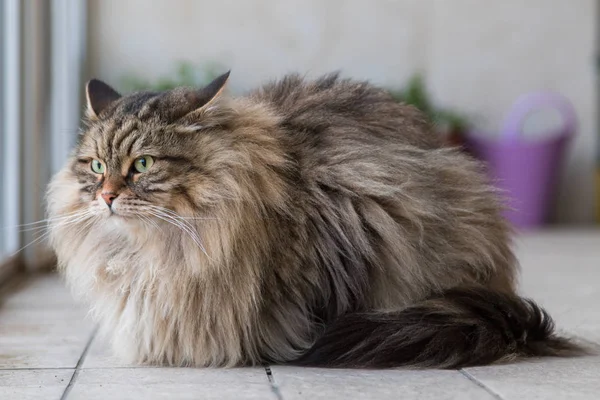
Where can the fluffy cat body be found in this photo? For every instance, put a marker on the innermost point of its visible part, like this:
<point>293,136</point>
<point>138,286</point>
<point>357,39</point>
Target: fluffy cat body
<point>315,222</point>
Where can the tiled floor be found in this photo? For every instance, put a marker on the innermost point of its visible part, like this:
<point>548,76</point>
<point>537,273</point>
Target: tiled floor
<point>48,349</point>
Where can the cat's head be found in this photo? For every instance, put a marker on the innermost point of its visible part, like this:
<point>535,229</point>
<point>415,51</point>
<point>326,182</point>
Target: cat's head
<point>139,153</point>
<point>170,158</point>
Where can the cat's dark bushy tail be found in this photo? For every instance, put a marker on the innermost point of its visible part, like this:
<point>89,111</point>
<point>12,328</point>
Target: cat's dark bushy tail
<point>459,328</point>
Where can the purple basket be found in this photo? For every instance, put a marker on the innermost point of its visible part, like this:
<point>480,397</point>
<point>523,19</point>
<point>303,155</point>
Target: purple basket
<point>525,169</point>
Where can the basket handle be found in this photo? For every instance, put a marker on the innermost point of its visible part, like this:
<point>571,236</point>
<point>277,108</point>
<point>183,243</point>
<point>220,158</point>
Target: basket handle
<point>528,103</point>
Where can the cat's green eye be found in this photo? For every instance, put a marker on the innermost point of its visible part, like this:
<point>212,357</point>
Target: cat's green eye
<point>97,167</point>
<point>142,164</point>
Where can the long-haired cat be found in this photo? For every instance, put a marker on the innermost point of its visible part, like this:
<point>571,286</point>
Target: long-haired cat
<point>309,222</point>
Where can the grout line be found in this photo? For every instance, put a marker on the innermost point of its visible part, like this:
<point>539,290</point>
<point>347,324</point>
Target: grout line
<point>71,368</point>
<point>79,364</point>
<point>274,386</point>
<point>480,384</point>
<point>36,369</point>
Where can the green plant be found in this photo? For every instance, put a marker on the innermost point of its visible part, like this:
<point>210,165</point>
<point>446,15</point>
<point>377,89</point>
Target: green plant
<point>416,94</point>
<point>186,74</point>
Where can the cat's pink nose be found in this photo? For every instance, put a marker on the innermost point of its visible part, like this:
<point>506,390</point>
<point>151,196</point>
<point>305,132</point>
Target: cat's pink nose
<point>109,197</point>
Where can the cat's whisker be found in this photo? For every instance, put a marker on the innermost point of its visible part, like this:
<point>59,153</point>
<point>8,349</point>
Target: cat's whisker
<point>87,224</point>
<point>177,215</point>
<point>148,220</point>
<point>182,225</point>
<point>58,222</point>
<point>200,218</point>
<point>75,219</point>
<point>34,229</point>
<point>154,224</point>
<point>165,210</point>
<point>61,216</point>
<point>53,223</point>
<point>44,222</point>
<point>34,241</point>
<point>184,229</point>
<point>144,220</point>
<point>171,213</point>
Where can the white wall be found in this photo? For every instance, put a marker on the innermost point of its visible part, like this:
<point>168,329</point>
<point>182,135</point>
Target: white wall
<point>478,55</point>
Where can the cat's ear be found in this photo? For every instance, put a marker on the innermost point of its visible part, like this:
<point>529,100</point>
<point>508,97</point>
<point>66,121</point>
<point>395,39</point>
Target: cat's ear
<point>202,98</point>
<point>99,95</point>
<point>184,102</point>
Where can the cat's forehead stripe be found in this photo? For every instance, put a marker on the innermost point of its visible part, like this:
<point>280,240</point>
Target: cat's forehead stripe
<point>127,130</point>
<point>111,138</point>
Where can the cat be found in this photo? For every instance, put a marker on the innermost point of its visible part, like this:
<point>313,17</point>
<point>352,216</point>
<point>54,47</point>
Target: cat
<point>310,222</point>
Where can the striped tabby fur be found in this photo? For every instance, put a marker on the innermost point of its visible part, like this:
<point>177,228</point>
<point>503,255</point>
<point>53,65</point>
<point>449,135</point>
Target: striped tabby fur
<point>316,222</point>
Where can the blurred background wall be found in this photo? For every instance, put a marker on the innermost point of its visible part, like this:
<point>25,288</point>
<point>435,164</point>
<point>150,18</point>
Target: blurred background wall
<point>477,56</point>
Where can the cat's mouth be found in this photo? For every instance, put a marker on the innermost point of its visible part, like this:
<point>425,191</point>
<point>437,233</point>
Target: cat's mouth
<point>114,209</point>
<point>119,214</point>
<point>114,213</point>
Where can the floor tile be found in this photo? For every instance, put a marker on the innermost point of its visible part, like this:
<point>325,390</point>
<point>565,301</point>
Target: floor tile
<point>100,356</point>
<point>314,383</point>
<point>545,379</point>
<point>172,383</point>
<point>47,384</point>
<point>40,291</point>
<point>561,271</point>
<point>42,329</point>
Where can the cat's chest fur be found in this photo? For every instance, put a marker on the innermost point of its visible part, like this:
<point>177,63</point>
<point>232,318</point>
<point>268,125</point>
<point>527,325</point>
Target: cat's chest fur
<point>159,308</point>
